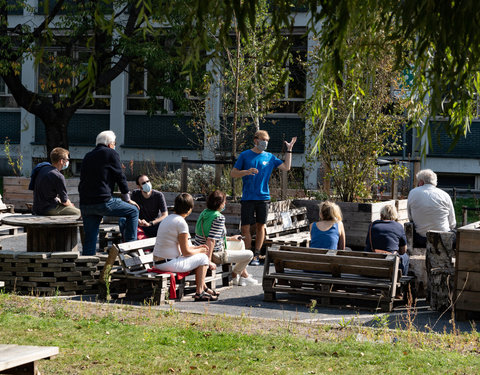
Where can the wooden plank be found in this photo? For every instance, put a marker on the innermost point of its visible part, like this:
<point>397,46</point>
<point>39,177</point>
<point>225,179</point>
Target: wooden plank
<point>138,260</point>
<point>334,294</point>
<point>323,258</point>
<point>324,279</point>
<point>135,245</point>
<point>469,281</point>
<point>16,355</point>
<point>340,268</point>
<point>468,301</point>
<point>468,261</point>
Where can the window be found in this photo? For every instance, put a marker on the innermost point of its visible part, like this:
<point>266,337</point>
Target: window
<point>6,99</point>
<point>60,71</point>
<point>138,86</point>
<point>295,90</point>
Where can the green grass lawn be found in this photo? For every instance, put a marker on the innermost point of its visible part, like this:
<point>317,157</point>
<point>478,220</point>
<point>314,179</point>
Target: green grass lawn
<point>108,339</point>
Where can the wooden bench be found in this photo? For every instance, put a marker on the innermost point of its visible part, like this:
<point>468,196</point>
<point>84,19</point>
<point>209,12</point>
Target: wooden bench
<point>20,359</point>
<point>136,258</point>
<point>334,277</point>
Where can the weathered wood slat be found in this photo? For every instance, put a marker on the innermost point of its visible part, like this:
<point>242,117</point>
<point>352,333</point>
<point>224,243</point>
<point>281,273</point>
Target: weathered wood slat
<point>344,280</point>
<point>12,356</point>
<point>469,281</point>
<point>334,259</point>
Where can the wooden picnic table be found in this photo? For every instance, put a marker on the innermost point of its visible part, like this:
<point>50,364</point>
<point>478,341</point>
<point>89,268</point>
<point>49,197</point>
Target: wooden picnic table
<point>48,233</point>
<point>21,359</point>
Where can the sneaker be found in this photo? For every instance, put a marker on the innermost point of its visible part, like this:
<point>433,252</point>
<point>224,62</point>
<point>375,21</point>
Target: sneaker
<point>236,280</point>
<point>244,281</point>
<point>255,261</point>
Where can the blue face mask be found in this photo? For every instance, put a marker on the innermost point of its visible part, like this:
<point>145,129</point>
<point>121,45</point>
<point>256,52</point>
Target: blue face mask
<point>147,187</point>
<point>66,165</point>
<point>222,209</point>
<point>262,145</point>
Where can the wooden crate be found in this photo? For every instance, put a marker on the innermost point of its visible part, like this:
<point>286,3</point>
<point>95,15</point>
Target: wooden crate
<point>467,271</point>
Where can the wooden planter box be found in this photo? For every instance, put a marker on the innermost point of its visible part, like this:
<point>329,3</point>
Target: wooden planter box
<point>467,271</point>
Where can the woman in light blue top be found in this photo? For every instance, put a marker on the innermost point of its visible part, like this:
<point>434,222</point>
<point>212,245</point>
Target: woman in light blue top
<point>328,233</point>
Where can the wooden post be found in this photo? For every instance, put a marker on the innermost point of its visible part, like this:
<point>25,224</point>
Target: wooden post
<point>234,193</point>
<point>218,172</point>
<point>395,184</point>
<point>284,184</point>
<point>464,216</point>
<point>454,193</point>
<point>184,179</point>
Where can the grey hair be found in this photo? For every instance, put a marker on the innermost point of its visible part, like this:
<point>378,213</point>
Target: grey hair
<point>107,137</point>
<point>427,176</point>
<point>388,213</point>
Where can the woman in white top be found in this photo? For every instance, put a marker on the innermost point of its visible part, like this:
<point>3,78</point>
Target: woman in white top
<point>173,251</point>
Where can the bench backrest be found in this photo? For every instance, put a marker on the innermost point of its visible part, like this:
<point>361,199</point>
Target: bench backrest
<point>133,258</point>
<point>335,262</point>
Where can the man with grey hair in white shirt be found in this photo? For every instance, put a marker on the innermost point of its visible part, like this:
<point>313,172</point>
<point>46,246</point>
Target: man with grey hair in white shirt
<point>429,207</point>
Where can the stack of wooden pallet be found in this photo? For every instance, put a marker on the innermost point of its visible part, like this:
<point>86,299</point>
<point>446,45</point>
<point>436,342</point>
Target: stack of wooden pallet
<point>65,273</point>
<point>288,228</point>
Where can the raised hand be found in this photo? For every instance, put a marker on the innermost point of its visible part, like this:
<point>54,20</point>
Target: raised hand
<point>290,145</point>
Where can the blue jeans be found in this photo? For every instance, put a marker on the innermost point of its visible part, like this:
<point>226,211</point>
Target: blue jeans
<point>404,263</point>
<point>92,215</point>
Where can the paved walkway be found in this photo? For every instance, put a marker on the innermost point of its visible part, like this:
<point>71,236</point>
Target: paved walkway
<point>248,301</point>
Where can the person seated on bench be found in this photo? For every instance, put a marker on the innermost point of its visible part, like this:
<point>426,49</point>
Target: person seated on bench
<point>388,236</point>
<point>174,253</point>
<point>210,230</point>
<point>153,208</point>
<point>328,233</point>
<point>48,184</point>
<point>429,208</point>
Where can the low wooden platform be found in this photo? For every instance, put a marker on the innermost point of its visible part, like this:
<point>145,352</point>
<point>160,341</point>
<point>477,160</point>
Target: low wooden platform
<point>21,359</point>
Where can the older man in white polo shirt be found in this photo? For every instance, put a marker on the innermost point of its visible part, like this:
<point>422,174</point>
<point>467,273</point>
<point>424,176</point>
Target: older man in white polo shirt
<point>429,207</point>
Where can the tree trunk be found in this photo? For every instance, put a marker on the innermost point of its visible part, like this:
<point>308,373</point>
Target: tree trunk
<point>56,129</point>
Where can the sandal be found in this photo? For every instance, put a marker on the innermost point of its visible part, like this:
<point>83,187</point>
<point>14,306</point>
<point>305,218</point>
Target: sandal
<point>212,292</point>
<point>204,297</point>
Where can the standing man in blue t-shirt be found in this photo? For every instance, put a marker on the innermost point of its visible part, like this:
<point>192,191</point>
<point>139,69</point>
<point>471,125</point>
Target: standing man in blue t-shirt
<point>255,167</point>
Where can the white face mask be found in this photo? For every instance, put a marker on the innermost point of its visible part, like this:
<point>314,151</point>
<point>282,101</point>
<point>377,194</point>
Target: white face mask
<point>147,187</point>
<point>262,145</point>
<point>66,165</point>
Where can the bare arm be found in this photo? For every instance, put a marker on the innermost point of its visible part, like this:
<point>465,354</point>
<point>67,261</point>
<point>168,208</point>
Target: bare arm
<point>341,239</point>
<point>160,218</point>
<point>288,158</point>
<point>188,250</point>
<point>236,173</point>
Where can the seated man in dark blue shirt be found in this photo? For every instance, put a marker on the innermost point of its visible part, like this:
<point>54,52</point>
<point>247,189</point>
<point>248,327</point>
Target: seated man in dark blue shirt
<point>48,184</point>
<point>153,208</point>
<point>388,235</point>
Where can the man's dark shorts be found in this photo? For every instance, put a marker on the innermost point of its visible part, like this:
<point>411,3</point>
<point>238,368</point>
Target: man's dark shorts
<point>254,212</point>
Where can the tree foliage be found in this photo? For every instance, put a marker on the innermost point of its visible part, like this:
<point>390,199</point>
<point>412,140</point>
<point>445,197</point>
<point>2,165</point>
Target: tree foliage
<point>438,40</point>
<point>360,120</point>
